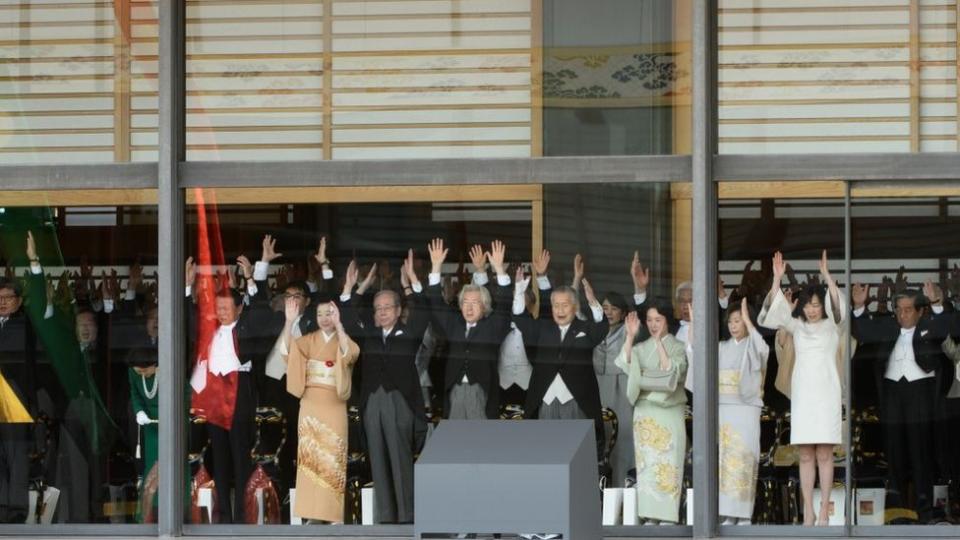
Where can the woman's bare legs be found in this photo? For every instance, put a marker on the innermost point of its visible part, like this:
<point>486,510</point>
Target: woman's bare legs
<point>808,475</point>
<point>825,464</point>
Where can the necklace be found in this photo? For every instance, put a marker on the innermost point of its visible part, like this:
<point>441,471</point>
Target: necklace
<point>152,392</point>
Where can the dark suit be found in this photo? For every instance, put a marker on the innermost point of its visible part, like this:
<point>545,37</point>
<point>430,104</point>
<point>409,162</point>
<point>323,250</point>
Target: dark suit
<point>907,408</point>
<point>475,355</point>
<point>231,448</point>
<point>392,403</point>
<point>18,366</point>
<point>571,358</point>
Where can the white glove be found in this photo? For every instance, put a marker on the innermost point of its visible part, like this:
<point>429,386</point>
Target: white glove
<point>142,418</point>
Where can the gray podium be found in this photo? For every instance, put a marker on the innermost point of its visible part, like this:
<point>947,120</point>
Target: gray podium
<point>505,476</point>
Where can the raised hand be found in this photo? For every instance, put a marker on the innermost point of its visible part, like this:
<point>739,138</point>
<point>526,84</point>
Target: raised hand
<point>859,295</point>
<point>62,295</point>
<point>31,248</point>
<point>245,266</point>
<point>350,278</point>
<point>404,280</point>
<point>478,258</point>
<point>900,283</point>
<point>321,255</point>
<point>408,268</point>
<point>497,256</point>
<point>541,262</point>
<point>291,309</point>
<point>721,290</point>
<point>268,252</point>
<point>109,285</point>
<point>438,254</point>
<point>335,317</point>
<point>368,280</point>
<point>789,295</point>
<point>135,281</point>
<point>520,275</point>
<point>745,315</point>
<point>190,271</point>
<point>588,292</point>
<point>779,268</point>
<point>825,268</point>
<point>631,326</point>
<point>577,270</point>
<point>932,291</point>
<point>640,275</point>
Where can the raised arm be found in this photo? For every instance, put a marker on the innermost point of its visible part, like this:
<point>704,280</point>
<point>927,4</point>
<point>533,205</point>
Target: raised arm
<point>541,263</point>
<point>641,279</point>
<point>837,309</point>
<point>442,314</point>
<point>419,317</point>
<point>599,325</point>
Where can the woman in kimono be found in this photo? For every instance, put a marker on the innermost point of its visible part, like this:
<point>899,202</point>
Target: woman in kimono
<point>142,378</point>
<point>659,435</point>
<point>815,401</point>
<point>741,366</point>
<point>613,386</point>
<point>319,373</point>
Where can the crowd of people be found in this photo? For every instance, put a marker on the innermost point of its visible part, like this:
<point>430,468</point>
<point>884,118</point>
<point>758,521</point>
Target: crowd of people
<point>79,386</point>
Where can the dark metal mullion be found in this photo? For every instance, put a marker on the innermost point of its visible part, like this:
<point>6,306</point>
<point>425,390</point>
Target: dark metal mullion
<point>171,341</point>
<point>704,228</point>
<point>848,364</point>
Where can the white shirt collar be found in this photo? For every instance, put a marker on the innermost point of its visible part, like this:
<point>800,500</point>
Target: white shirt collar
<point>227,327</point>
<point>907,331</point>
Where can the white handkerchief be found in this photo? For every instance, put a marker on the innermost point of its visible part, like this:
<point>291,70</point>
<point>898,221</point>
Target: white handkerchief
<point>198,380</point>
<point>924,332</point>
<point>399,333</point>
<point>579,335</point>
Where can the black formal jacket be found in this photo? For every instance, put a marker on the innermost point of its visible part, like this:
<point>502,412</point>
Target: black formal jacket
<point>253,332</point>
<point>18,360</point>
<point>389,363</point>
<point>572,359</point>
<point>478,355</point>
<point>883,332</point>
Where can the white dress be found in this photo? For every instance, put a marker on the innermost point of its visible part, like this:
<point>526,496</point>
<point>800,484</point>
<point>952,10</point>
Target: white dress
<point>816,392</point>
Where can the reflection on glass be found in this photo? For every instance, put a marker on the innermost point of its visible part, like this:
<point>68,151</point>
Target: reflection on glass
<point>79,81</point>
<point>836,77</point>
<point>780,364</point>
<point>78,361</point>
<point>905,416</point>
<point>287,80</point>
<point>620,84</point>
<point>331,338</point>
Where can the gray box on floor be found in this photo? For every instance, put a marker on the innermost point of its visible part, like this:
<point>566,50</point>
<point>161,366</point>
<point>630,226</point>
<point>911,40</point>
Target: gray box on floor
<point>505,476</point>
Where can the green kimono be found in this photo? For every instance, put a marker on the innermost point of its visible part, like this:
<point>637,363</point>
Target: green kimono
<point>659,434</point>
<point>149,434</point>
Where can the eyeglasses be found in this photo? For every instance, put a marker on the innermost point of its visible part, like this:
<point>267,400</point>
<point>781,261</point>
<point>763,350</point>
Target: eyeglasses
<point>8,297</point>
<point>294,295</point>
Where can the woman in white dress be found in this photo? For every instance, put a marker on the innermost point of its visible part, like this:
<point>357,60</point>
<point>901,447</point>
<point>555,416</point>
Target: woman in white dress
<point>815,402</point>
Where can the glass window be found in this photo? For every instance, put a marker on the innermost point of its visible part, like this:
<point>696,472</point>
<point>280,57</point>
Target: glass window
<point>781,357</point>
<point>836,77</point>
<point>78,357</point>
<point>287,80</point>
<point>316,255</point>
<point>905,415</point>
<point>78,82</point>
